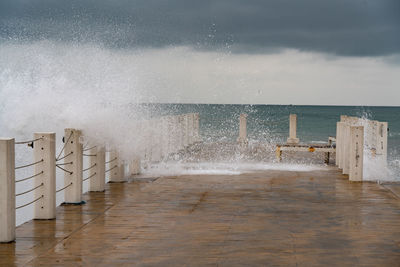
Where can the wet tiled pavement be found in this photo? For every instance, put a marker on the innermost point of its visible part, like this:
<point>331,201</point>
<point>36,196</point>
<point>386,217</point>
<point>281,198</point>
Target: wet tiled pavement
<point>272,218</point>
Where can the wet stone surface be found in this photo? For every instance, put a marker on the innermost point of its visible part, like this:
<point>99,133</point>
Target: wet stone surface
<point>274,218</point>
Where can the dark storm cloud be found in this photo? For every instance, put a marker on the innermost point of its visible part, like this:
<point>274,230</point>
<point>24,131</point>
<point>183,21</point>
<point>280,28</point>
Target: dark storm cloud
<point>344,27</point>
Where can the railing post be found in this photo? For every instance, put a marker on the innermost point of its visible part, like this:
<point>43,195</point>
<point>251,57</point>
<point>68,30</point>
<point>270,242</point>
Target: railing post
<point>186,130</point>
<point>242,140</point>
<point>356,153</point>
<point>7,190</point>
<point>117,169</point>
<point>338,140</point>
<point>73,176</point>
<point>45,149</point>
<point>134,166</point>
<point>382,138</point>
<point>196,127</point>
<point>97,173</point>
<point>346,149</point>
<point>292,130</point>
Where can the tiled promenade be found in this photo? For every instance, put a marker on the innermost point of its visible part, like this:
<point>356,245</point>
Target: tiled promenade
<point>274,218</point>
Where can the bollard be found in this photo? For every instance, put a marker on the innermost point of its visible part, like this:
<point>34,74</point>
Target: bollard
<point>346,149</point>
<point>97,181</point>
<point>338,140</point>
<point>7,190</point>
<point>196,127</point>
<point>242,139</point>
<point>356,153</point>
<point>45,149</point>
<point>116,168</point>
<point>382,139</point>
<point>73,170</point>
<point>134,167</point>
<point>292,130</point>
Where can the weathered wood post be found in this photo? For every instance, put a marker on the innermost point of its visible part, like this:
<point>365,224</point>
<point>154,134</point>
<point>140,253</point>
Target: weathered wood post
<point>73,166</point>
<point>7,190</point>
<point>181,132</point>
<point>196,127</point>
<point>346,149</point>
<point>338,140</point>
<point>97,181</point>
<point>116,168</point>
<point>292,130</point>
<point>134,166</point>
<point>185,130</point>
<point>242,139</point>
<point>356,153</point>
<point>45,149</point>
<point>382,139</point>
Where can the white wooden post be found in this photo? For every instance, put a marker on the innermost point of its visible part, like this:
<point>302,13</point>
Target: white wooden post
<point>356,153</point>
<point>7,190</point>
<point>346,149</point>
<point>45,149</point>
<point>242,140</point>
<point>292,130</point>
<point>117,169</point>
<point>134,166</point>
<point>97,181</point>
<point>181,132</point>
<point>382,139</point>
<point>338,140</point>
<point>196,127</point>
<point>73,176</point>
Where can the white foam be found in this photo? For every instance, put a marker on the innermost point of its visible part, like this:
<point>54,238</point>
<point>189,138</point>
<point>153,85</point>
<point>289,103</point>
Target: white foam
<point>223,168</point>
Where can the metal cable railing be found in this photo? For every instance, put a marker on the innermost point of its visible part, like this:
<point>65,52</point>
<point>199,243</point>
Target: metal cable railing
<point>29,141</point>
<point>27,204</point>
<point>89,177</point>
<point>89,155</point>
<point>65,163</point>
<point>70,153</point>
<point>28,165</point>
<point>65,187</point>
<point>30,177</point>
<point>65,144</point>
<point>110,160</point>
<point>86,149</point>
<point>64,169</point>
<point>111,169</point>
<point>94,165</point>
<point>26,192</point>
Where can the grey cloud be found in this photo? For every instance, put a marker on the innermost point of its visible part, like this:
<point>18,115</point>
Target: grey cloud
<point>343,27</point>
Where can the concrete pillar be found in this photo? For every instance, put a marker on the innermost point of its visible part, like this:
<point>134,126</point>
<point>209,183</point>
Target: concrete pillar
<point>356,153</point>
<point>7,190</point>
<point>196,126</point>
<point>73,193</point>
<point>134,166</point>
<point>338,140</point>
<point>98,181</point>
<point>117,169</point>
<point>45,149</point>
<point>382,139</point>
<point>242,140</point>
<point>157,139</point>
<point>293,130</point>
<point>181,129</point>
<point>346,149</point>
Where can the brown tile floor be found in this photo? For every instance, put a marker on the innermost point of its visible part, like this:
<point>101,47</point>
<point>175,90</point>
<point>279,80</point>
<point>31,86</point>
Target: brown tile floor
<point>272,218</point>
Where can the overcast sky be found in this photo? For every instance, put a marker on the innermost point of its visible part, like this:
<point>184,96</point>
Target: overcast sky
<point>304,48</point>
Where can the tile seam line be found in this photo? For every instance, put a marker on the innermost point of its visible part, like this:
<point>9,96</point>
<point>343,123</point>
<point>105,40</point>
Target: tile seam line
<point>70,235</point>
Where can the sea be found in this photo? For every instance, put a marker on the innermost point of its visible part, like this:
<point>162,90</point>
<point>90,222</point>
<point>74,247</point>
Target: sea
<point>270,123</point>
